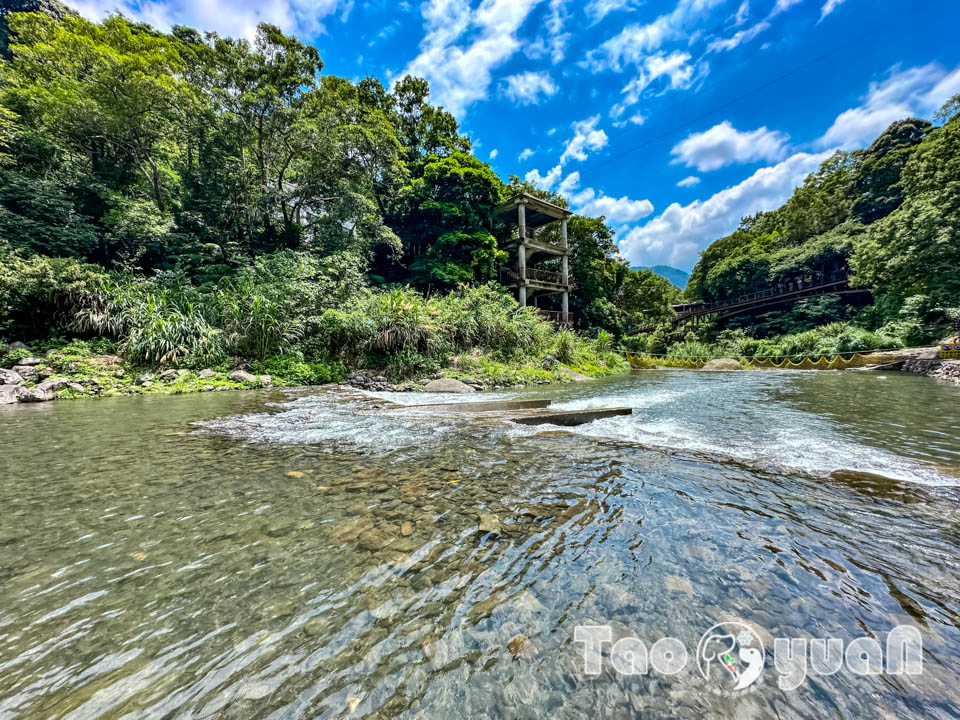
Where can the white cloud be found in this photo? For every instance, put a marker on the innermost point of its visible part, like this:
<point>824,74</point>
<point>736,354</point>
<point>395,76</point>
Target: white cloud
<point>738,38</point>
<point>635,119</point>
<point>783,6</point>
<point>525,154</point>
<point>527,88</point>
<point>586,137</point>
<point>676,236</point>
<point>494,153</point>
<point>236,18</point>
<point>829,6</point>
<point>724,145</point>
<point>590,203</point>
<point>632,44</point>
<point>616,210</point>
<point>675,67</point>
<point>547,181</point>
<point>689,181</point>
<point>597,10</point>
<point>916,91</point>
<point>743,12</point>
<point>558,39</point>
<point>463,45</point>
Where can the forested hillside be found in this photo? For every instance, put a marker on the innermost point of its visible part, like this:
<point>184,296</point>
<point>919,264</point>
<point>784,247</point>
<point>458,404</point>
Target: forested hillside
<point>888,215</point>
<point>200,198</point>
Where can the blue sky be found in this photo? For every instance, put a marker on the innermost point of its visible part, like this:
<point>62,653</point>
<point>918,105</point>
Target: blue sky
<point>672,118</point>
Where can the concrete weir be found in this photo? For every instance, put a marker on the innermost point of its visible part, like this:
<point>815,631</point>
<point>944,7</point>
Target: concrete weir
<point>488,406</point>
<point>570,418</point>
<point>524,412</point>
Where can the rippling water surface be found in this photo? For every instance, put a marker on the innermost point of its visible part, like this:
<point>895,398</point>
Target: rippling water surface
<point>271,555</point>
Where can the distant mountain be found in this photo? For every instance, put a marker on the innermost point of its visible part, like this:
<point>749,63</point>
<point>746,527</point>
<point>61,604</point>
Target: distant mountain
<point>674,275</point>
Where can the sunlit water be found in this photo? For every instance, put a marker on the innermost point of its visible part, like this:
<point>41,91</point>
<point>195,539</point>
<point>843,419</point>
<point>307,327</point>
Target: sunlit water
<point>159,561</point>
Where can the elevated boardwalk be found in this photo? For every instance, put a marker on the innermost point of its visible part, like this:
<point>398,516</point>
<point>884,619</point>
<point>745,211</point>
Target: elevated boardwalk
<point>779,295</point>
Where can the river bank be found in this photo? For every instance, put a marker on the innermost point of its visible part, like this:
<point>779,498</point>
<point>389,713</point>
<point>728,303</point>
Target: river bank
<point>82,370</point>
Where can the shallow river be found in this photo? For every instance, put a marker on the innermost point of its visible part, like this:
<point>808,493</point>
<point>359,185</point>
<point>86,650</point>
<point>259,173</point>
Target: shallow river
<point>272,555</point>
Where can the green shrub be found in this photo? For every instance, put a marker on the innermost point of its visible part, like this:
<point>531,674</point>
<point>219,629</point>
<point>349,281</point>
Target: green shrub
<point>14,357</point>
<point>295,371</point>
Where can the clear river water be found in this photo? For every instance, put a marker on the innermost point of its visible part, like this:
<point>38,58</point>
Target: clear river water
<point>302,554</point>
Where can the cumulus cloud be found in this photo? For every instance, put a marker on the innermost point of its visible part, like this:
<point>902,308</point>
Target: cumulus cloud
<point>904,93</point>
<point>616,210</point>
<point>679,233</point>
<point>525,154</point>
<point>689,181</point>
<point>724,145</point>
<point>463,45</point>
<point>829,6</point>
<point>738,38</point>
<point>586,137</point>
<point>494,153</point>
<point>236,18</point>
<point>527,88</point>
<point>591,203</point>
<point>547,181</point>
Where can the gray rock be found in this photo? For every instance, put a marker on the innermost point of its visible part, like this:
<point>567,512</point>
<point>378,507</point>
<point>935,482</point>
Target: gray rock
<point>27,372</point>
<point>45,391</point>
<point>31,361</point>
<point>241,376</point>
<point>574,375</point>
<point>265,379</point>
<point>17,346</point>
<point>9,377</point>
<point>47,373</point>
<point>76,387</point>
<point>10,394</point>
<point>172,374</point>
<point>204,374</point>
<point>447,385</point>
<point>145,380</point>
<point>489,523</point>
<point>550,362</point>
<point>379,379</point>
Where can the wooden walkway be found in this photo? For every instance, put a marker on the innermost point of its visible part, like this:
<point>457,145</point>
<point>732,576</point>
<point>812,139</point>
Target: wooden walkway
<point>781,294</point>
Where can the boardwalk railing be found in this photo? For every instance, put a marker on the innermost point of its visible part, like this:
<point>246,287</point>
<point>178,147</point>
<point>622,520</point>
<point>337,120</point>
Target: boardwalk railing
<point>834,284</point>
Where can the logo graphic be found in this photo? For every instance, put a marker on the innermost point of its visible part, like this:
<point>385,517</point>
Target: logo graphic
<point>733,649</point>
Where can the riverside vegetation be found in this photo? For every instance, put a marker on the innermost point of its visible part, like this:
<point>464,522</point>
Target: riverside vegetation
<point>188,202</point>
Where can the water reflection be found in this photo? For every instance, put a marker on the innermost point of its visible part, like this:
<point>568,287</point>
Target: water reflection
<point>421,571</point>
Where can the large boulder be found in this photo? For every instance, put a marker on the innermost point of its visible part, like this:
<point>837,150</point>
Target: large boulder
<point>10,394</point>
<point>27,372</point>
<point>9,377</point>
<point>18,346</point>
<point>723,364</point>
<point>447,385</point>
<point>241,376</point>
<point>574,375</point>
<point>45,391</point>
<point>31,361</point>
<point>206,373</point>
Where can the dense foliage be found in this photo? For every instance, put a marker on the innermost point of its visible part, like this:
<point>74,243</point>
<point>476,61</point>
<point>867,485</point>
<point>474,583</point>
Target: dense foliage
<point>203,199</point>
<point>888,216</point>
